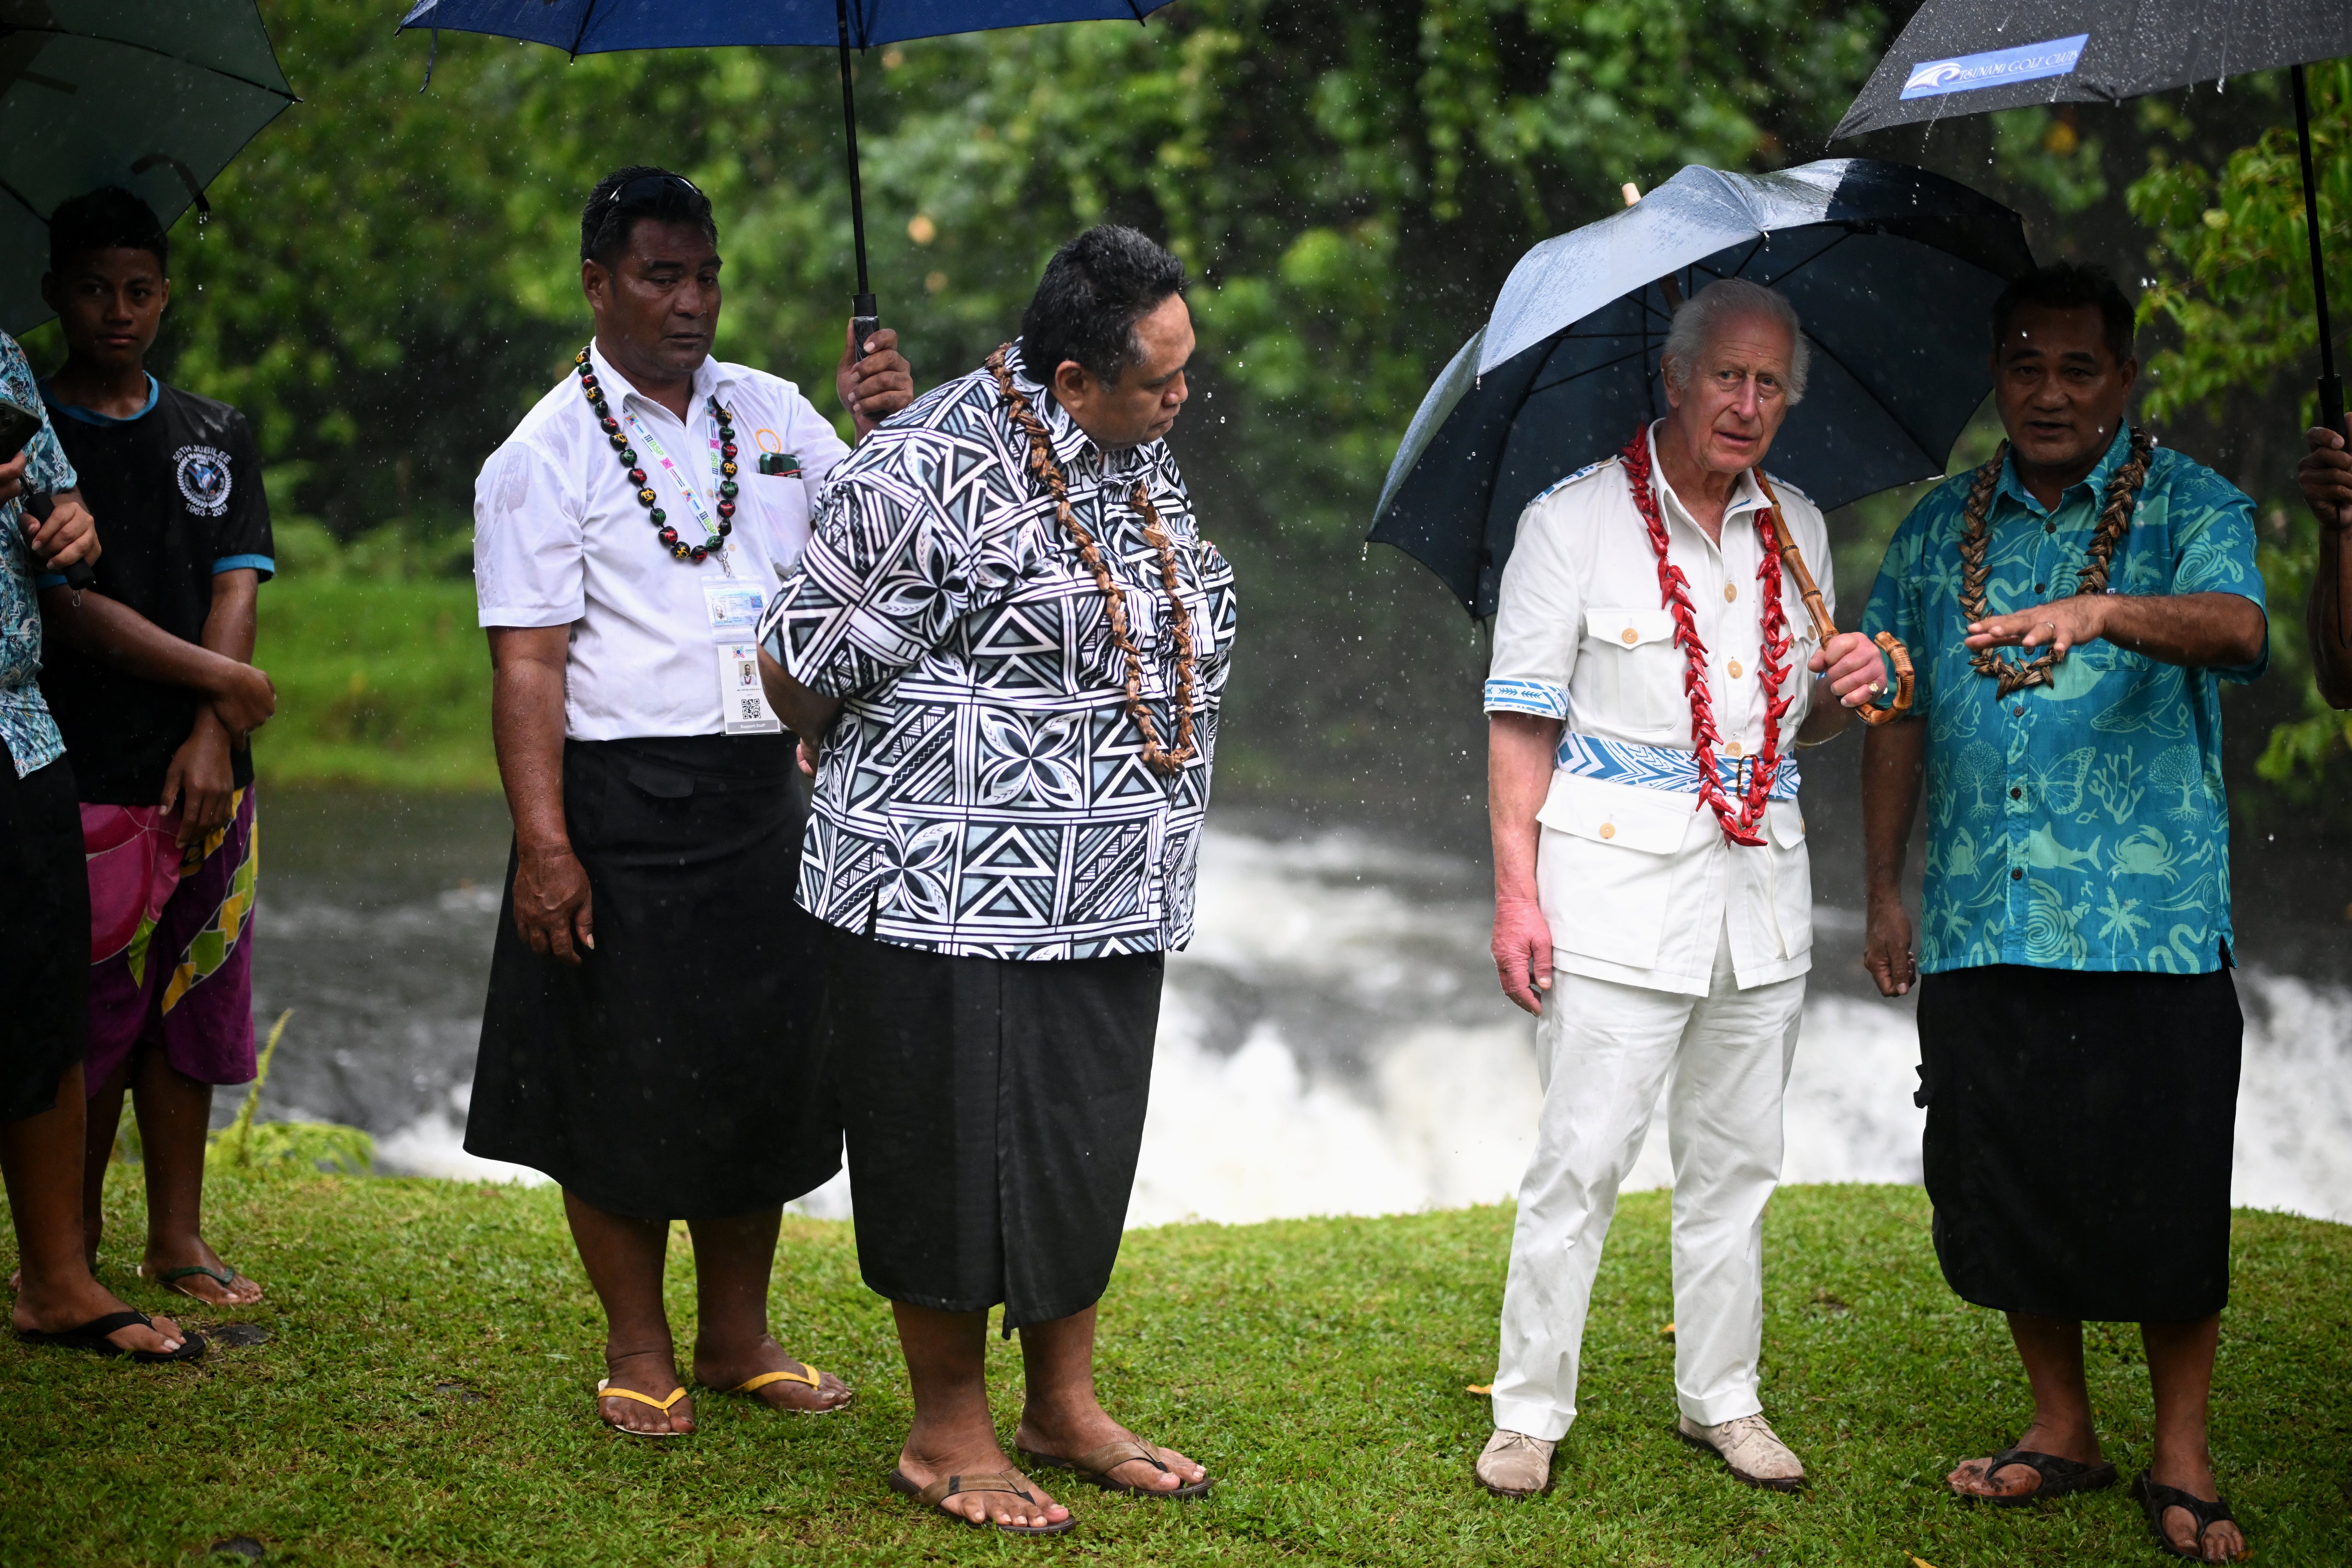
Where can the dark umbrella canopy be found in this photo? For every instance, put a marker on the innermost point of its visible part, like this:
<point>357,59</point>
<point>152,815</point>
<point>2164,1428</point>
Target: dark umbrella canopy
<point>598,27</point>
<point>1892,271</point>
<point>1969,56</point>
<point>158,96</point>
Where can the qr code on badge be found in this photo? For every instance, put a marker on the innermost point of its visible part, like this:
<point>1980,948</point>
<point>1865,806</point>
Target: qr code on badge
<point>749,706</point>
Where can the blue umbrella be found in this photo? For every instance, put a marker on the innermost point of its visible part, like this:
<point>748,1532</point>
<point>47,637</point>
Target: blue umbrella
<point>1892,270</point>
<point>600,26</point>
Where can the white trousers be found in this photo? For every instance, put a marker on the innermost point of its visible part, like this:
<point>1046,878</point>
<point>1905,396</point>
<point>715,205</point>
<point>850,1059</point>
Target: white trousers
<point>1603,1049</point>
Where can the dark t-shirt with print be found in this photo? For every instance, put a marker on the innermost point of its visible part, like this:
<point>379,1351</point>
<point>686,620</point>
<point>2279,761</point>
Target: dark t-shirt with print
<point>176,493</point>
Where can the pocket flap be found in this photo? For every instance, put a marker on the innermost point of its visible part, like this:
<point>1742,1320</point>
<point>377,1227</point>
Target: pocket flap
<point>1787,822</point>
<point>1628,627</point>
<point>1614,815</point>
<point>660,782</point>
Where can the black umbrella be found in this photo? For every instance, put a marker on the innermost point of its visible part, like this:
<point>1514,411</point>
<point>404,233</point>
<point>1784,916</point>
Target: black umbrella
<point>1969,57</point>
<point>155,97</point>
<point>600,26</point>
<point>1892,270</point>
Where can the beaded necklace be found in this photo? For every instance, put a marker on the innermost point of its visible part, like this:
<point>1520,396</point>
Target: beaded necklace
<point>1740,824</point>
<point>715,542</point>
<point>2115,520</point>
<point>1166,760</point>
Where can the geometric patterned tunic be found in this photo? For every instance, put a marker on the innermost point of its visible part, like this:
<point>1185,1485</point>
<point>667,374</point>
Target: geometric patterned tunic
<point>2082,825</point>
<point>984,793</point>
<point>24,722</point>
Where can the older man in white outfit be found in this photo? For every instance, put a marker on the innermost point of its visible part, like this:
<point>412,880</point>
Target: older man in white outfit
<point>1653,675</point>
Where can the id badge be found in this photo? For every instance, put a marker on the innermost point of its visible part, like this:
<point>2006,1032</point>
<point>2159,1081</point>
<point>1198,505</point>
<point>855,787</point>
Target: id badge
<point>742,699</point>
<point>733,605</point>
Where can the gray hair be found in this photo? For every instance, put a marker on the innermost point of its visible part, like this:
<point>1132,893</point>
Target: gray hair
<point>1728,299</point>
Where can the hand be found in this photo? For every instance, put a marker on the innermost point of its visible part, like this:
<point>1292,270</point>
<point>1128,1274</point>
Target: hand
<point>69,535</point>
<point>873,378</point>
<point>244,700</point>
<point>808,757</point>
<point>552,906</point>
<point>12,476</point>
<point>1522,952</point>
<point>2061,624</point>
<point>200,782</point>
<point>2325,476</point>
<point>1851,664</point>
<point>1886,946</point>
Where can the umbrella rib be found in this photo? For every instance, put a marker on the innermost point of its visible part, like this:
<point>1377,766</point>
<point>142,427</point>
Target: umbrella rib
<point>587,15</point>
<point>1900,423</point>
<point>160,53</point>
<point>38,216</point>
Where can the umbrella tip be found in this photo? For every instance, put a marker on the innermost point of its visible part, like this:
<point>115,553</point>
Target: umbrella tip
<point>1632,193</point>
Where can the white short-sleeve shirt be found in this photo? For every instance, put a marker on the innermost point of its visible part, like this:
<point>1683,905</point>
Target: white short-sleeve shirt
<point>561,538</point>
<point>1636,883</point>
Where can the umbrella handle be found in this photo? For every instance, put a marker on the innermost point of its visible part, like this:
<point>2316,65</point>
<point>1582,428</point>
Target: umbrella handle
<point>1824,628</point>
<point>865,319</point>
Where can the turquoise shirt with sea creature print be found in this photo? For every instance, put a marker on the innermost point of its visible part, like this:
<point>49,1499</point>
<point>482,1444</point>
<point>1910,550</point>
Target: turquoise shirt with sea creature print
<point>2081,825</point>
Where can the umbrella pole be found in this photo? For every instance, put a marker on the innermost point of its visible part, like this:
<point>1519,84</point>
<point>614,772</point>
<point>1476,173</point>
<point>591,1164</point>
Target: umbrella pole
<point>2331,386</point>
<point>866,314</point>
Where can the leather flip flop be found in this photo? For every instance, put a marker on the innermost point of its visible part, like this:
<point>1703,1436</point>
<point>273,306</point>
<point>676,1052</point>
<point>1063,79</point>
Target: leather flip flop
<point>934,1497</point>
<point>1096,1465</point>
<point>2155,1498</point>
<point>92,1336</point>
<point>2058,1477</point>
<point>169,1280</point>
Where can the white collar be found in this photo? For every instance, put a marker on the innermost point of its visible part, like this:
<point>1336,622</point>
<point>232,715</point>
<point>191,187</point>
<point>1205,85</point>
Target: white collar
<point>708,382</point>
<point>1746,495</point>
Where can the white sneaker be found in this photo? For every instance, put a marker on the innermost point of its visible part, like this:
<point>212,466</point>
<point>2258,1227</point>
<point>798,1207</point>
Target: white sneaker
<point>1752,1449</point>
<point>1516,1466</point>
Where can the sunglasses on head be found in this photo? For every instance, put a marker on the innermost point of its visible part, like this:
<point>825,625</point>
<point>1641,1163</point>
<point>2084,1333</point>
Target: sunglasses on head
<point>644,187</point>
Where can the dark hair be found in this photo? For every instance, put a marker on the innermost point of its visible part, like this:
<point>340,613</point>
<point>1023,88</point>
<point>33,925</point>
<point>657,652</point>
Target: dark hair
<point>639,191</point>
<point>108,218</point>
<point>2068,286</point>
<point>1094,291</point>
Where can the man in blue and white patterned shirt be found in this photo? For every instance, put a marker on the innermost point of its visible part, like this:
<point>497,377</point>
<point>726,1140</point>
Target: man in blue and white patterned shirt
<point>1011,638</point>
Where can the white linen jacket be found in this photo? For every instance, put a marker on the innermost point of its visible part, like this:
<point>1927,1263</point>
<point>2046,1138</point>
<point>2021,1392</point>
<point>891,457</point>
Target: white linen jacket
<point>1638,883</point>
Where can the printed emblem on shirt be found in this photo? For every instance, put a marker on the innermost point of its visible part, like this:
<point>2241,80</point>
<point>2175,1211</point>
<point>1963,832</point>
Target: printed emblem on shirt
<point>204,478</point>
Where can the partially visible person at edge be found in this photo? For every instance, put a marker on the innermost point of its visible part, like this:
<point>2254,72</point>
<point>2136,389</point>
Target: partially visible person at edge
<point>2073,608</point>
<point>648,1039</point>
<point>1007,645</point>
<point>150,678</point>
<point>2325,476</point>
<point>44,931</point>
<point>1661,931</point>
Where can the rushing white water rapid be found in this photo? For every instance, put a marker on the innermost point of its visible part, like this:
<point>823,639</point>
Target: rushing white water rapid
<point>1333,1043</point>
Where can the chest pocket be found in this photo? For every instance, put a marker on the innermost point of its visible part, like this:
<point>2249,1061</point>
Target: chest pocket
<point>1629,674</point>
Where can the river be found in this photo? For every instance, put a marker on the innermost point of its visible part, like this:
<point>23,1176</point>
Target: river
<point>1331,1042</point>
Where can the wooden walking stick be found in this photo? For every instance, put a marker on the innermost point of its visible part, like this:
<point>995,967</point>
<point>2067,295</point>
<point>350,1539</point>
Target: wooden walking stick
<point>1896,654</point>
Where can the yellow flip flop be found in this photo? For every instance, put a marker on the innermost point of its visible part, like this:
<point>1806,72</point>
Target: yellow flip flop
<point>605,1391</point>
<point>807,1374</point>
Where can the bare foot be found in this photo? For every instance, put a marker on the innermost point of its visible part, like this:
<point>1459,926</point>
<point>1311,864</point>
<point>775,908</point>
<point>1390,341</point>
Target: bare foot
<point>724,1370</point>
<point>1066,1439</point>
<point>84,1301</point>
<point>191,1252</point>
<point>652,1375</point>
<point>1971,1480</point>
<point>2224,1541</point>
<point>981,1508</point>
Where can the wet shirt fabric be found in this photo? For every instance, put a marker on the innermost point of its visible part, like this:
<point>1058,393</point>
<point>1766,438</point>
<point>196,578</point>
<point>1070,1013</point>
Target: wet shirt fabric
<point>561,539</point>
<point>985,793</point>
<point>31,733</point>
<point>1637,882</point>
<point>2081,825</point>
<point>176,490</point>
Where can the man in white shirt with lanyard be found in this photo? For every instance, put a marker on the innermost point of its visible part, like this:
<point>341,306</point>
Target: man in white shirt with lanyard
<point>648,1040</point>
<point>1653,902</point>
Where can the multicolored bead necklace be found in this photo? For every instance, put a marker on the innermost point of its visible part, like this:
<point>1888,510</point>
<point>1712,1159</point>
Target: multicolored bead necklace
<point>727,490</point>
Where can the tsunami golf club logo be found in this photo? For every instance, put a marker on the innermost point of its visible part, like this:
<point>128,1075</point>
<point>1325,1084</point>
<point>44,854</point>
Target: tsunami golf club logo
<point>1995,67</point>
<point>204,479</point>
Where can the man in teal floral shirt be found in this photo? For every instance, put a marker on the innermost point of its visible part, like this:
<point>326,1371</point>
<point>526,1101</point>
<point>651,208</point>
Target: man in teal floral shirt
<point>2073,608</point>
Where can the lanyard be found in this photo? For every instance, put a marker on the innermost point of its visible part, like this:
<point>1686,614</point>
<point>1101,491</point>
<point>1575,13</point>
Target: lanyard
<point>645,437</point>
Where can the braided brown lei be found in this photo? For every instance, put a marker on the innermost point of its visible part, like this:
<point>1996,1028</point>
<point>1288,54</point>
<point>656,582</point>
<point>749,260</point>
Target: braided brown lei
<point>1167,760</point>
<point>2114,522</point>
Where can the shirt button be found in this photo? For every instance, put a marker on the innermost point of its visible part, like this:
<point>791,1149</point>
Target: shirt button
<point>2016,793</point>
<point>1731,747</point>
<point>2038,588</point>
<point>1608,830</point>
<point>2049,528</point>
<point>1630,636</point>
<point>2017,874</point>
<point>1735,669</point>
<point>1730,591</point>
<point>2019,710</point>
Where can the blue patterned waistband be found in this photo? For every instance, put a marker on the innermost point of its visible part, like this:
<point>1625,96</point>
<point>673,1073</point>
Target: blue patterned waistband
<point>1666,768</point>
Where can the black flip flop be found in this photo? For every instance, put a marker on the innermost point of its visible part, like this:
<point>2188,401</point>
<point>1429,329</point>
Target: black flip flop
<point>2155,1498</point>
<point>91,1336</point>
<point>2058,1477</point>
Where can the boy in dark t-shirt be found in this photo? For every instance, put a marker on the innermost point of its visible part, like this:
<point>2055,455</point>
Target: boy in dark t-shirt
<point>150,678</point>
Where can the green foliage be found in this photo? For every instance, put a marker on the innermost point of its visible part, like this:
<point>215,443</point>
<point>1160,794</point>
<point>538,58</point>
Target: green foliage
<point>425,1398</point>
<point>2231,258</point>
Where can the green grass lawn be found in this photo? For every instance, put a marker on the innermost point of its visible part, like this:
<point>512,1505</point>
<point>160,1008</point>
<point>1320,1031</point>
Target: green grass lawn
<point>424,1399</point>
<point>380,682</point>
